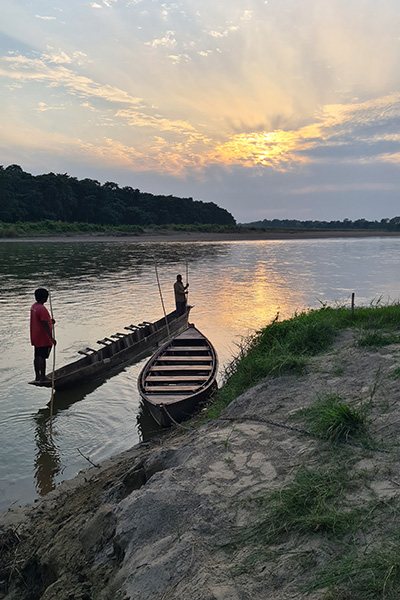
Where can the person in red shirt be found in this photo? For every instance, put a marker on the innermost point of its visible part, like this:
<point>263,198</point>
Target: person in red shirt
<point>41,333</point>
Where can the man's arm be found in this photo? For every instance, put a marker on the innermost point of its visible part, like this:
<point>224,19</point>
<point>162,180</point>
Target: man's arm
<point>46,327</point>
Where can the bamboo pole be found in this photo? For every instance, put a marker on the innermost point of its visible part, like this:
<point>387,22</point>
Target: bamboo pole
<point>187,295</point>
<point>352,307</point>
<point>54,367</point>
<point>162,301</point>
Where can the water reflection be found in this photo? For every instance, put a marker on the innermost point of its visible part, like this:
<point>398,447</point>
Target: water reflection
<point>54,261</point>
<point>147,426</point>
<point>47,464</point>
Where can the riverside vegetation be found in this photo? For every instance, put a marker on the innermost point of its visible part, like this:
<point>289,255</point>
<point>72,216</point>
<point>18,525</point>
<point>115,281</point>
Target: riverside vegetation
<point>288,486</point>
<point>46,228</point>
<point>332,502</point>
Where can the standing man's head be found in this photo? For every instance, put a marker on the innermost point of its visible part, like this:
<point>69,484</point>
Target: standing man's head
<point>41,295</point>
<point>179,277</point>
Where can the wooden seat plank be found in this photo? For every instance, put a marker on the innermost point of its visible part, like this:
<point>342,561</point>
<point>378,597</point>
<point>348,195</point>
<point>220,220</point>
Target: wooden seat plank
<point>187,349</point>
<point>172,378</point>
<point>185,358</point>
<point>170,388</point>
<point>180,368</point>
<point>164,399</point>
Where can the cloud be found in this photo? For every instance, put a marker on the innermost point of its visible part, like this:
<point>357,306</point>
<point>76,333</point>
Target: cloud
<point>346,187</point>
<point>23,69</point>
<point>45,18</point>
<point>179,58</point>
<point>247,15</point>
<point>167,41</point>
<point>43,107</point>
<point>105,3</point>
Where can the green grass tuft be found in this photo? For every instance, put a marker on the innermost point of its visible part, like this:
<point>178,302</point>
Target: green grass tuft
<point>333,419</point>
<point>396,373</point>
<point>376,339</point>
<point>314,502</point>
<point>354,576</point>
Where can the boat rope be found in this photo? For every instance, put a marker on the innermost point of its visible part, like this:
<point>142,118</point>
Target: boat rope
<point>162,300</point>
<point>302,431</point>
<point>163,407</point>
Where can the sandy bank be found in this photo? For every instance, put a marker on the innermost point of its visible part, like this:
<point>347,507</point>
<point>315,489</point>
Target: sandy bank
<point>153,522</point>
<point>197,236</point>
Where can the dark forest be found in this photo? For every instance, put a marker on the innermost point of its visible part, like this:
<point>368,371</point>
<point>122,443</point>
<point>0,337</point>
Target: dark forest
<point>60,197</point>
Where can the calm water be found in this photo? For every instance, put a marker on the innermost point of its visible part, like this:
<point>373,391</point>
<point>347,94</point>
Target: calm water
<point>99,287</point>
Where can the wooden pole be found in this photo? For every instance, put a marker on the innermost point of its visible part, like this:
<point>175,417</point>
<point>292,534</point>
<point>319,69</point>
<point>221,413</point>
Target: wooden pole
<point>162,301</point>
<point>54,368</point>
<point>187,295</point>
<point>352,307</point>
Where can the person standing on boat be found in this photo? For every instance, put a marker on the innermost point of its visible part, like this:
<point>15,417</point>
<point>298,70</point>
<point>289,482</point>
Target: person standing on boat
<point>41,333</point>
<point>180,295</point>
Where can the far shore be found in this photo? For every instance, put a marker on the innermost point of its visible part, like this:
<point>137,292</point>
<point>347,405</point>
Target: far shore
<point>202,236</point>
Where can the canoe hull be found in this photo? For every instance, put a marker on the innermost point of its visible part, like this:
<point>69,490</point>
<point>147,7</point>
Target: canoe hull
<point>165,415</point>
<point>113,356</point>
<point>178,377</point>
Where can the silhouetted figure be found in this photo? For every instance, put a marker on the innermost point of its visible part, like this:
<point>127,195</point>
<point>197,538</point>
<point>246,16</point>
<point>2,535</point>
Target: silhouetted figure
<point>180,295</point>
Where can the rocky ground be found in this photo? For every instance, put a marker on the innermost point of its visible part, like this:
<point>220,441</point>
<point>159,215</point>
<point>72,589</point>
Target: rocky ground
<point>157,522</point>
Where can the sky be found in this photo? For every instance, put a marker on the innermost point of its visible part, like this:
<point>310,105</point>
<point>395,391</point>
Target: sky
<point>269,108</point>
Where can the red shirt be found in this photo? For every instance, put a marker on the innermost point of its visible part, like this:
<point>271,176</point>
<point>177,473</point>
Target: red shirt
<point>39,337</point>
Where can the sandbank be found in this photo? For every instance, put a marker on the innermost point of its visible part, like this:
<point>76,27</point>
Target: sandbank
<point>201,236</point>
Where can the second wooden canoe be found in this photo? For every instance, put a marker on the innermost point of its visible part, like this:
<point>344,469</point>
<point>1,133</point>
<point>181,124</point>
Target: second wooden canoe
<point>180,375</point>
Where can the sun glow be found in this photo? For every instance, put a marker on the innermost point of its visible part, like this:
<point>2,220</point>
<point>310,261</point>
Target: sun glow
<point>277,149</point>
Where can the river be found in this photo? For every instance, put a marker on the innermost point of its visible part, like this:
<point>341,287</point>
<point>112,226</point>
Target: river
<point>98,287</point>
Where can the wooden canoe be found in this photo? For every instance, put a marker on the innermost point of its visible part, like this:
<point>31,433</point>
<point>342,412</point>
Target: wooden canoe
<point>180,375</point>
<point>116,353</point>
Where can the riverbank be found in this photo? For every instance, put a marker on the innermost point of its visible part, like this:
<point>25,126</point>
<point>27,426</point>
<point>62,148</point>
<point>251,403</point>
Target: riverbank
<point>249,505</point>
<point>204,236</point>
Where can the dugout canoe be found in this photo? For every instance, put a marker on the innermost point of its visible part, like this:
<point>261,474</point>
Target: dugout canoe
<point>180,375</point>
<point>117,351</point>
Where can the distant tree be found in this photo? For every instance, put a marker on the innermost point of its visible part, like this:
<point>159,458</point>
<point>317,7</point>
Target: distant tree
<point>24,197</point>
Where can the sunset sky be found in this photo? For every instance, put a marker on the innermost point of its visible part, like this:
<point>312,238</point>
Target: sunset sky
<point>269,108</point>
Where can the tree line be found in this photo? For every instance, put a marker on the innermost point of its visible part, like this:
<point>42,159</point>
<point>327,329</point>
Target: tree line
<point>60,197</point>
<point>383,224</point>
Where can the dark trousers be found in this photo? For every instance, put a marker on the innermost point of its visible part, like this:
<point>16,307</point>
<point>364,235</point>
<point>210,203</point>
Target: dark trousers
<point>180,307</point>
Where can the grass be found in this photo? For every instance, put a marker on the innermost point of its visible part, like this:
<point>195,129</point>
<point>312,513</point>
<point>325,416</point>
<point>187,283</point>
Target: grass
<point>40,228</point>
<point>376,339</point>
<point>396,373</point>
<point>48,227</point>
<point>286,346</point>
<point>314,503</point>
<point>333,419</point>
<point>371,576</point>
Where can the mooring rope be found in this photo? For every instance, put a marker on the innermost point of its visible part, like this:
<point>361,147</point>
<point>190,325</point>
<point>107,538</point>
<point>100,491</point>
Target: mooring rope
<point>163,407</point>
